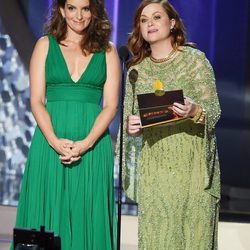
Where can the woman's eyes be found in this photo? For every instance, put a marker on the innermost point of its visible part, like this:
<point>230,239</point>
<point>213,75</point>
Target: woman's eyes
<point>86,9</point>
<point>145,20</point>
<point>71,8</point>
<point>157,17</point>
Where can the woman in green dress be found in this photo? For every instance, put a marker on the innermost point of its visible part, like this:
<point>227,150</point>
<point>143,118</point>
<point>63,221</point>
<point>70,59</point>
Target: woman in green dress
<point>68,180</point>
<point>171,170</point>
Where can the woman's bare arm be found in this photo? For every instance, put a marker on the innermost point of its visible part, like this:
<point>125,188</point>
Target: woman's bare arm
<point>37,97</point>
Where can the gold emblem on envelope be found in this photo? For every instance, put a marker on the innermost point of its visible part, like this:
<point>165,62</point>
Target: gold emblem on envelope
<point>158,88</point>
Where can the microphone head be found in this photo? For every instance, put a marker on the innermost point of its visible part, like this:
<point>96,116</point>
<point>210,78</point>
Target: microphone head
<point>133,76</point>
<point>123,53</point>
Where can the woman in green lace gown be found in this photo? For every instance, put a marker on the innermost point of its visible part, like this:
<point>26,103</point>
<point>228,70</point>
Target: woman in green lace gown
<point>68,179</point>
<point>171,170</point>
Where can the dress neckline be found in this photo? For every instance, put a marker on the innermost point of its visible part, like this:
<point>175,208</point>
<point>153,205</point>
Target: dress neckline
<point>169,62</point>
<point>67,68</point>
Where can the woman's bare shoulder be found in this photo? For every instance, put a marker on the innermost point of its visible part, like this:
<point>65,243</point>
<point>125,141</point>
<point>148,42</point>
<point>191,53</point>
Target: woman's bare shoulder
<point>42,44</point>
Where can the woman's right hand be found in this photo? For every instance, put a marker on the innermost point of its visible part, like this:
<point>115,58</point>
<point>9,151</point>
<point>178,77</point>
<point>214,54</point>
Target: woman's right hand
<point>133,125</point>
<point>63,147</point>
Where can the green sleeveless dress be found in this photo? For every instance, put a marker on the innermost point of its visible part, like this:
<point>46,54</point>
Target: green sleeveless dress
<point>77,201</point>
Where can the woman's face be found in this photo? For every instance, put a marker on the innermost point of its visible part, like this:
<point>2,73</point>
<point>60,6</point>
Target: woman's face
<point>155,24</point>
<point>77,14</point>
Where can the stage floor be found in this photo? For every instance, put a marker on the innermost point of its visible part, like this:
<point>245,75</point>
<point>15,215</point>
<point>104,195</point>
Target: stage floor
<point>232,236</point>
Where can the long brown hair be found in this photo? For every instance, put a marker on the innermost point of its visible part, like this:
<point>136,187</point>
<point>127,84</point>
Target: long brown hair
<point>139,47</point>
<point>96,35</point>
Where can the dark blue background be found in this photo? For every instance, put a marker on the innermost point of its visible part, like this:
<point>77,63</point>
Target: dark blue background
<point>220,28</point>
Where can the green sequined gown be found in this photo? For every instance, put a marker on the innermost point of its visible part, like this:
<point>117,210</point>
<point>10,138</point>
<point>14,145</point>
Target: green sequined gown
<point>76,201</point>
<point>172,171</point>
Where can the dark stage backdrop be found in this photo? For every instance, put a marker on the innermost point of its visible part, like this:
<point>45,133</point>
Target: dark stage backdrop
<point>220,28</point>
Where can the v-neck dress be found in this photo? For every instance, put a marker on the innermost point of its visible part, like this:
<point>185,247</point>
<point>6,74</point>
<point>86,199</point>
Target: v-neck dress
<point>75,201</point>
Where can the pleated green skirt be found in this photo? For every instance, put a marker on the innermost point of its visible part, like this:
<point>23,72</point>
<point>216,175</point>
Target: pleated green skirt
<point>76,201</point>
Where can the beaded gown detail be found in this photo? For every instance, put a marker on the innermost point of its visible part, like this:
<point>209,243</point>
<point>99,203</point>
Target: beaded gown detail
<point>172,170</point>
<point>76,201</point>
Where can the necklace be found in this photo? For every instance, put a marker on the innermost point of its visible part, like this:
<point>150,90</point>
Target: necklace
<point>161,60</point>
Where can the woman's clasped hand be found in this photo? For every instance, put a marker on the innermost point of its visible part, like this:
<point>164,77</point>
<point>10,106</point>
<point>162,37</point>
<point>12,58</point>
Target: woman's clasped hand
<point>70,151</point>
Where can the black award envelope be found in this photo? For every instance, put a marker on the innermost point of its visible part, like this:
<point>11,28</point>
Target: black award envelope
<point>155,110</point>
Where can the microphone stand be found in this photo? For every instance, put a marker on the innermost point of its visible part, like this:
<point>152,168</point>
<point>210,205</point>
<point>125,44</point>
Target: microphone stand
<point>123,52</point>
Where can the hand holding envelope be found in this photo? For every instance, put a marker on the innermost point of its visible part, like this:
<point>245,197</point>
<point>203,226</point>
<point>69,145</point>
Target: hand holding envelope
<point>156,108</point>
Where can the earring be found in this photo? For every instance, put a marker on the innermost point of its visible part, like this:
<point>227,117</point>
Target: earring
<point>62,19</point>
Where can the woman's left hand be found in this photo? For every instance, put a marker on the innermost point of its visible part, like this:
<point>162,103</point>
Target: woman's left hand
<point>78,149</point>
<point>189,109</point>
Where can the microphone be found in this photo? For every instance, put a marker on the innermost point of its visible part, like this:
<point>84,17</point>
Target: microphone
<point>123,53</point>
<point>132,77</point>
